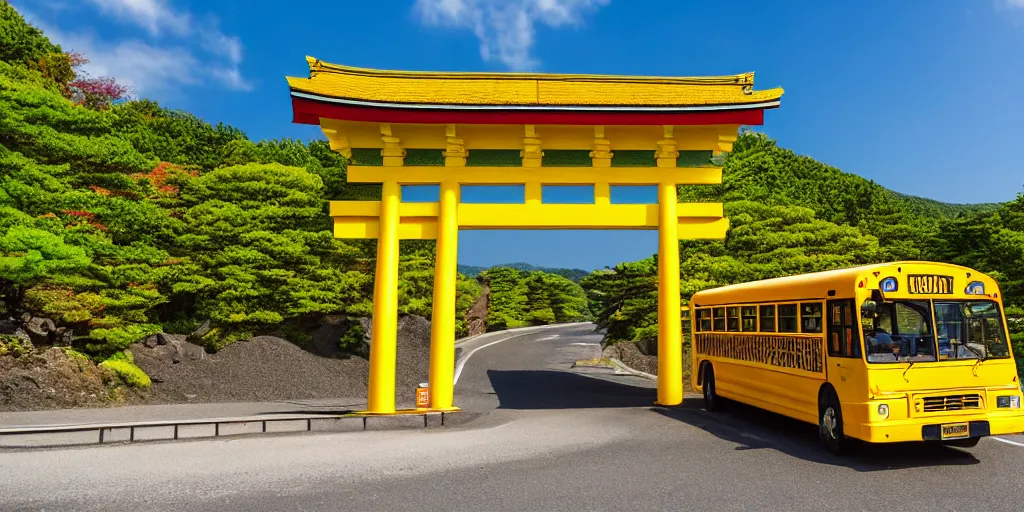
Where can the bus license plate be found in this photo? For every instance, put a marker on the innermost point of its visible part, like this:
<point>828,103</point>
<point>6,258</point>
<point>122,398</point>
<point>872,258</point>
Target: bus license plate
<point>955,431</point>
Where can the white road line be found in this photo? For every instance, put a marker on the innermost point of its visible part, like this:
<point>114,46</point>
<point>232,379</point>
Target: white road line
<point>553,336</point>
<point>586,344</point>
<point>1007,441</point>
<point>462,361</point>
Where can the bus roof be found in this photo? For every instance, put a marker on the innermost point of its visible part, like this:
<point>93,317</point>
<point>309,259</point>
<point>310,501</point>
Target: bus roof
<point>806,286</point>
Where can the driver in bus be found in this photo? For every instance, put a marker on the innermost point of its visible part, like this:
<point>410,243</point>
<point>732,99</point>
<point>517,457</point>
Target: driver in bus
<point>881,342</point>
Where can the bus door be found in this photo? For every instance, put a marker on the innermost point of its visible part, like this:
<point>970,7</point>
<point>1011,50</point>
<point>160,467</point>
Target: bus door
<point>844,366</point>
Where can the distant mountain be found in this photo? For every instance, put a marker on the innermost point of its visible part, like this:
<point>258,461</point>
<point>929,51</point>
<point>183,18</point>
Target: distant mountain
<point>573,274</point>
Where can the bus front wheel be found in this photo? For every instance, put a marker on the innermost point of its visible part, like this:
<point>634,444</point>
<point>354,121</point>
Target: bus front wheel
<point>710,396</point>
<point>830,423</point>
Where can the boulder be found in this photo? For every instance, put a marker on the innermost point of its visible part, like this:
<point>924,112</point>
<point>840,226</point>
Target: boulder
<point>162,339</point>
<point>9,325</point>
<point>40,329</point>
<point>63,336</point>
<point>367,325</point>
<point>186,350</point>
<point>24,338</point>
<point>202,330</point>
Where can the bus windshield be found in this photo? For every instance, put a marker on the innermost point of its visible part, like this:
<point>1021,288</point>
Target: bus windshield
<point>899,331</point>
<point>971,329</point>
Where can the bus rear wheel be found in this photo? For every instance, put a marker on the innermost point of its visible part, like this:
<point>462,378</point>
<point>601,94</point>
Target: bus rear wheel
<point>711,400</point>
<point>830,423</point>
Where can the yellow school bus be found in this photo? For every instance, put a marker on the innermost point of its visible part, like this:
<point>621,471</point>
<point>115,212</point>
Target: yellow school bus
<point>904,351</point>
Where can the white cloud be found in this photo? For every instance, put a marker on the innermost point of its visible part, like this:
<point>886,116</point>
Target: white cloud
<point>1015,4</point>
<point>180,51</point>
<point>506,28</point>
<point>155,16</point>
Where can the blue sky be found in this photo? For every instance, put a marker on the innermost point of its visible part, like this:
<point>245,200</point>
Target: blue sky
<point>922,96</point>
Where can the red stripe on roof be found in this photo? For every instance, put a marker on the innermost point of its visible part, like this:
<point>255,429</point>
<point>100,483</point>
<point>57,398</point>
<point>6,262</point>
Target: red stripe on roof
<point>306,111</point>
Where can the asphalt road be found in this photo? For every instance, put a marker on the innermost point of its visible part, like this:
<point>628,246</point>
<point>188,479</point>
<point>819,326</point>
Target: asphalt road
<point>536,435</point>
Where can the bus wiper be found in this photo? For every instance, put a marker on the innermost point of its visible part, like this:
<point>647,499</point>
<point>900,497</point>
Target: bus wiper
<point>907,370</point>
<point>981,357</point>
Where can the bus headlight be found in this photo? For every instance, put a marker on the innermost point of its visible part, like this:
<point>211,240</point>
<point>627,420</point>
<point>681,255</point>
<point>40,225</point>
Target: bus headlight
<point>883,411</point>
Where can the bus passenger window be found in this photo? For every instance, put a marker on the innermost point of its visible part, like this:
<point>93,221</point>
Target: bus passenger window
<point>732,319</point>
<point>787,318</point>
<point>719,318</point>
<point>704,320</point>
<point>749,317</point>
<point>810,315</point>
<point>842,330</point>
<point>768,318</point>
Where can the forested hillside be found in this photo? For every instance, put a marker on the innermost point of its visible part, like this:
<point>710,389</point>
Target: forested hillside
<point>572,274</point>
<point>120,219</point>
<point>790,214</point>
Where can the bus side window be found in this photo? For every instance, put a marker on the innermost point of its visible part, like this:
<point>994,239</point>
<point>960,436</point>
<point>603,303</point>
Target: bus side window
<point>842,330</point>
<point>811,317</point>
<point>719,318</point>
<point>732,319</point>
<point>704,320</point>
<point>749,317</point>
<point>787,318</point>
<point>768,318</point>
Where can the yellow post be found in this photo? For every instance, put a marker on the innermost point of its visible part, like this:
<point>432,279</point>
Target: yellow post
<point>442,323</point>
<point>385,306</point>
<point>670,347</point>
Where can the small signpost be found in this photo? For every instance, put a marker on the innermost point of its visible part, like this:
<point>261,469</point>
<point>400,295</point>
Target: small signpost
<point>422,396</point>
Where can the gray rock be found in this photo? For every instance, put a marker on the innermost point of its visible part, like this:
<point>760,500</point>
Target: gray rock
<point>367,324</point>
<point>63,336</point>
<point>40,329</point>
<point>162,339</point>
<point>150,342</point>
<point>24,338</point>
<point>202,330</point>
<point>186,350</point>
<point>176,359</point>
<point>9,325</point>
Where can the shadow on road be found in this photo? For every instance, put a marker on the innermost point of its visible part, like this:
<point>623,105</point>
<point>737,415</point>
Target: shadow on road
<point>752,429</point>
<point>748,427</point>
<point>548,389</point>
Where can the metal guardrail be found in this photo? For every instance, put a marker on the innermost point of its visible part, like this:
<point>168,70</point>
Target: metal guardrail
<point>32,436</point>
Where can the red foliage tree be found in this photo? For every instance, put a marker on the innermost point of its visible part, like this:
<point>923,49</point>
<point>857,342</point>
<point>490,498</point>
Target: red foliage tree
<point>97,93</point>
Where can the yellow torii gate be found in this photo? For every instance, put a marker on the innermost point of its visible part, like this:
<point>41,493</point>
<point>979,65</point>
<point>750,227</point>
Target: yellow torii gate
<point>453,129</point>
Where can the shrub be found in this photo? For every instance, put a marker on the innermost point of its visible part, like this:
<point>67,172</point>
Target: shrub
<point>11,345</point>
<point>129,373</point>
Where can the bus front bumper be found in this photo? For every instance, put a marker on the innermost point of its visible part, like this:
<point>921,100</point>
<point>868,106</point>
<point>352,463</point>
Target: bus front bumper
<point>930,429</point>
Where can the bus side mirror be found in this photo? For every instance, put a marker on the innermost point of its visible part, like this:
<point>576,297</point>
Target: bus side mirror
<point>868,308</point>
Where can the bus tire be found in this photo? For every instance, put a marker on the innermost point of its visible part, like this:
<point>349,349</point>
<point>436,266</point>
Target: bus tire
<point>830,423</point>
<point>712,403</point>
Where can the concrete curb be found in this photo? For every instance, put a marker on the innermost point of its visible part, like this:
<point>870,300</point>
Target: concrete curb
<point>48,436</point>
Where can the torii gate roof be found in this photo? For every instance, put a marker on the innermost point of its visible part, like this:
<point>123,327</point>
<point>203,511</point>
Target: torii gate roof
<point>356,94</point>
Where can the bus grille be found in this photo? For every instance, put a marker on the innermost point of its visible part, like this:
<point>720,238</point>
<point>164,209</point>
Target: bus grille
<point>951,403</point>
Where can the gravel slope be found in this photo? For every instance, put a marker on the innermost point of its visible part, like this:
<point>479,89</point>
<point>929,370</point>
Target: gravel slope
<point>271,368</point>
